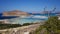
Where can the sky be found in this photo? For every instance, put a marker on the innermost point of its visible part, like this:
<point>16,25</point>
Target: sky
<point>29,5</point>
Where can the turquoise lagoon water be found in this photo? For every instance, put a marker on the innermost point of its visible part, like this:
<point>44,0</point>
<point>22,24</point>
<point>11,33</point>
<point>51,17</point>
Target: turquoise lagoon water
<point>30,19</point>
<point>25,20</point>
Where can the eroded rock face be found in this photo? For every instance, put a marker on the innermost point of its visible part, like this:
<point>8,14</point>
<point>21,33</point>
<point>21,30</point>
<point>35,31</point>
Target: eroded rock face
<point>14,13</point>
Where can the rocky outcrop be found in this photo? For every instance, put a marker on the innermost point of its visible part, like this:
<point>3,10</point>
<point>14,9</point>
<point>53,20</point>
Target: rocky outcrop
<point>15,13</point>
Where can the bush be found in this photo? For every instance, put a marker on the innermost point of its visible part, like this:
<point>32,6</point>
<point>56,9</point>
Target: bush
<point>25,24</point>
<point>52,25</point>
<point>6,26</point>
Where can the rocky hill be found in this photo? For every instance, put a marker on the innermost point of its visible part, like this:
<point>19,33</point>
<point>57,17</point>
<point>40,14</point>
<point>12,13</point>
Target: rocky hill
<point>15,13</point>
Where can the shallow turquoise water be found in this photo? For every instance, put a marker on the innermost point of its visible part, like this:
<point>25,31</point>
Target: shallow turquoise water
<point>30,19</point>
<point>26,20</point>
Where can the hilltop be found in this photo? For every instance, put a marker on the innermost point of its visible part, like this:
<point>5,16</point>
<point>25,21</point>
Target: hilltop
<point>15,13</point>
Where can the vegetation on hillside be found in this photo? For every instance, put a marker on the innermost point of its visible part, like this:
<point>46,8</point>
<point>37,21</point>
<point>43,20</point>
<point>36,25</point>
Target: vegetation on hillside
<point>51,26</point>
<point>7,26</point>
<point>25,24</point>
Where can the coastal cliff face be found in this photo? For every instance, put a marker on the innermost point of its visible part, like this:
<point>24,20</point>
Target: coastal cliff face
<point>15,13</point>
